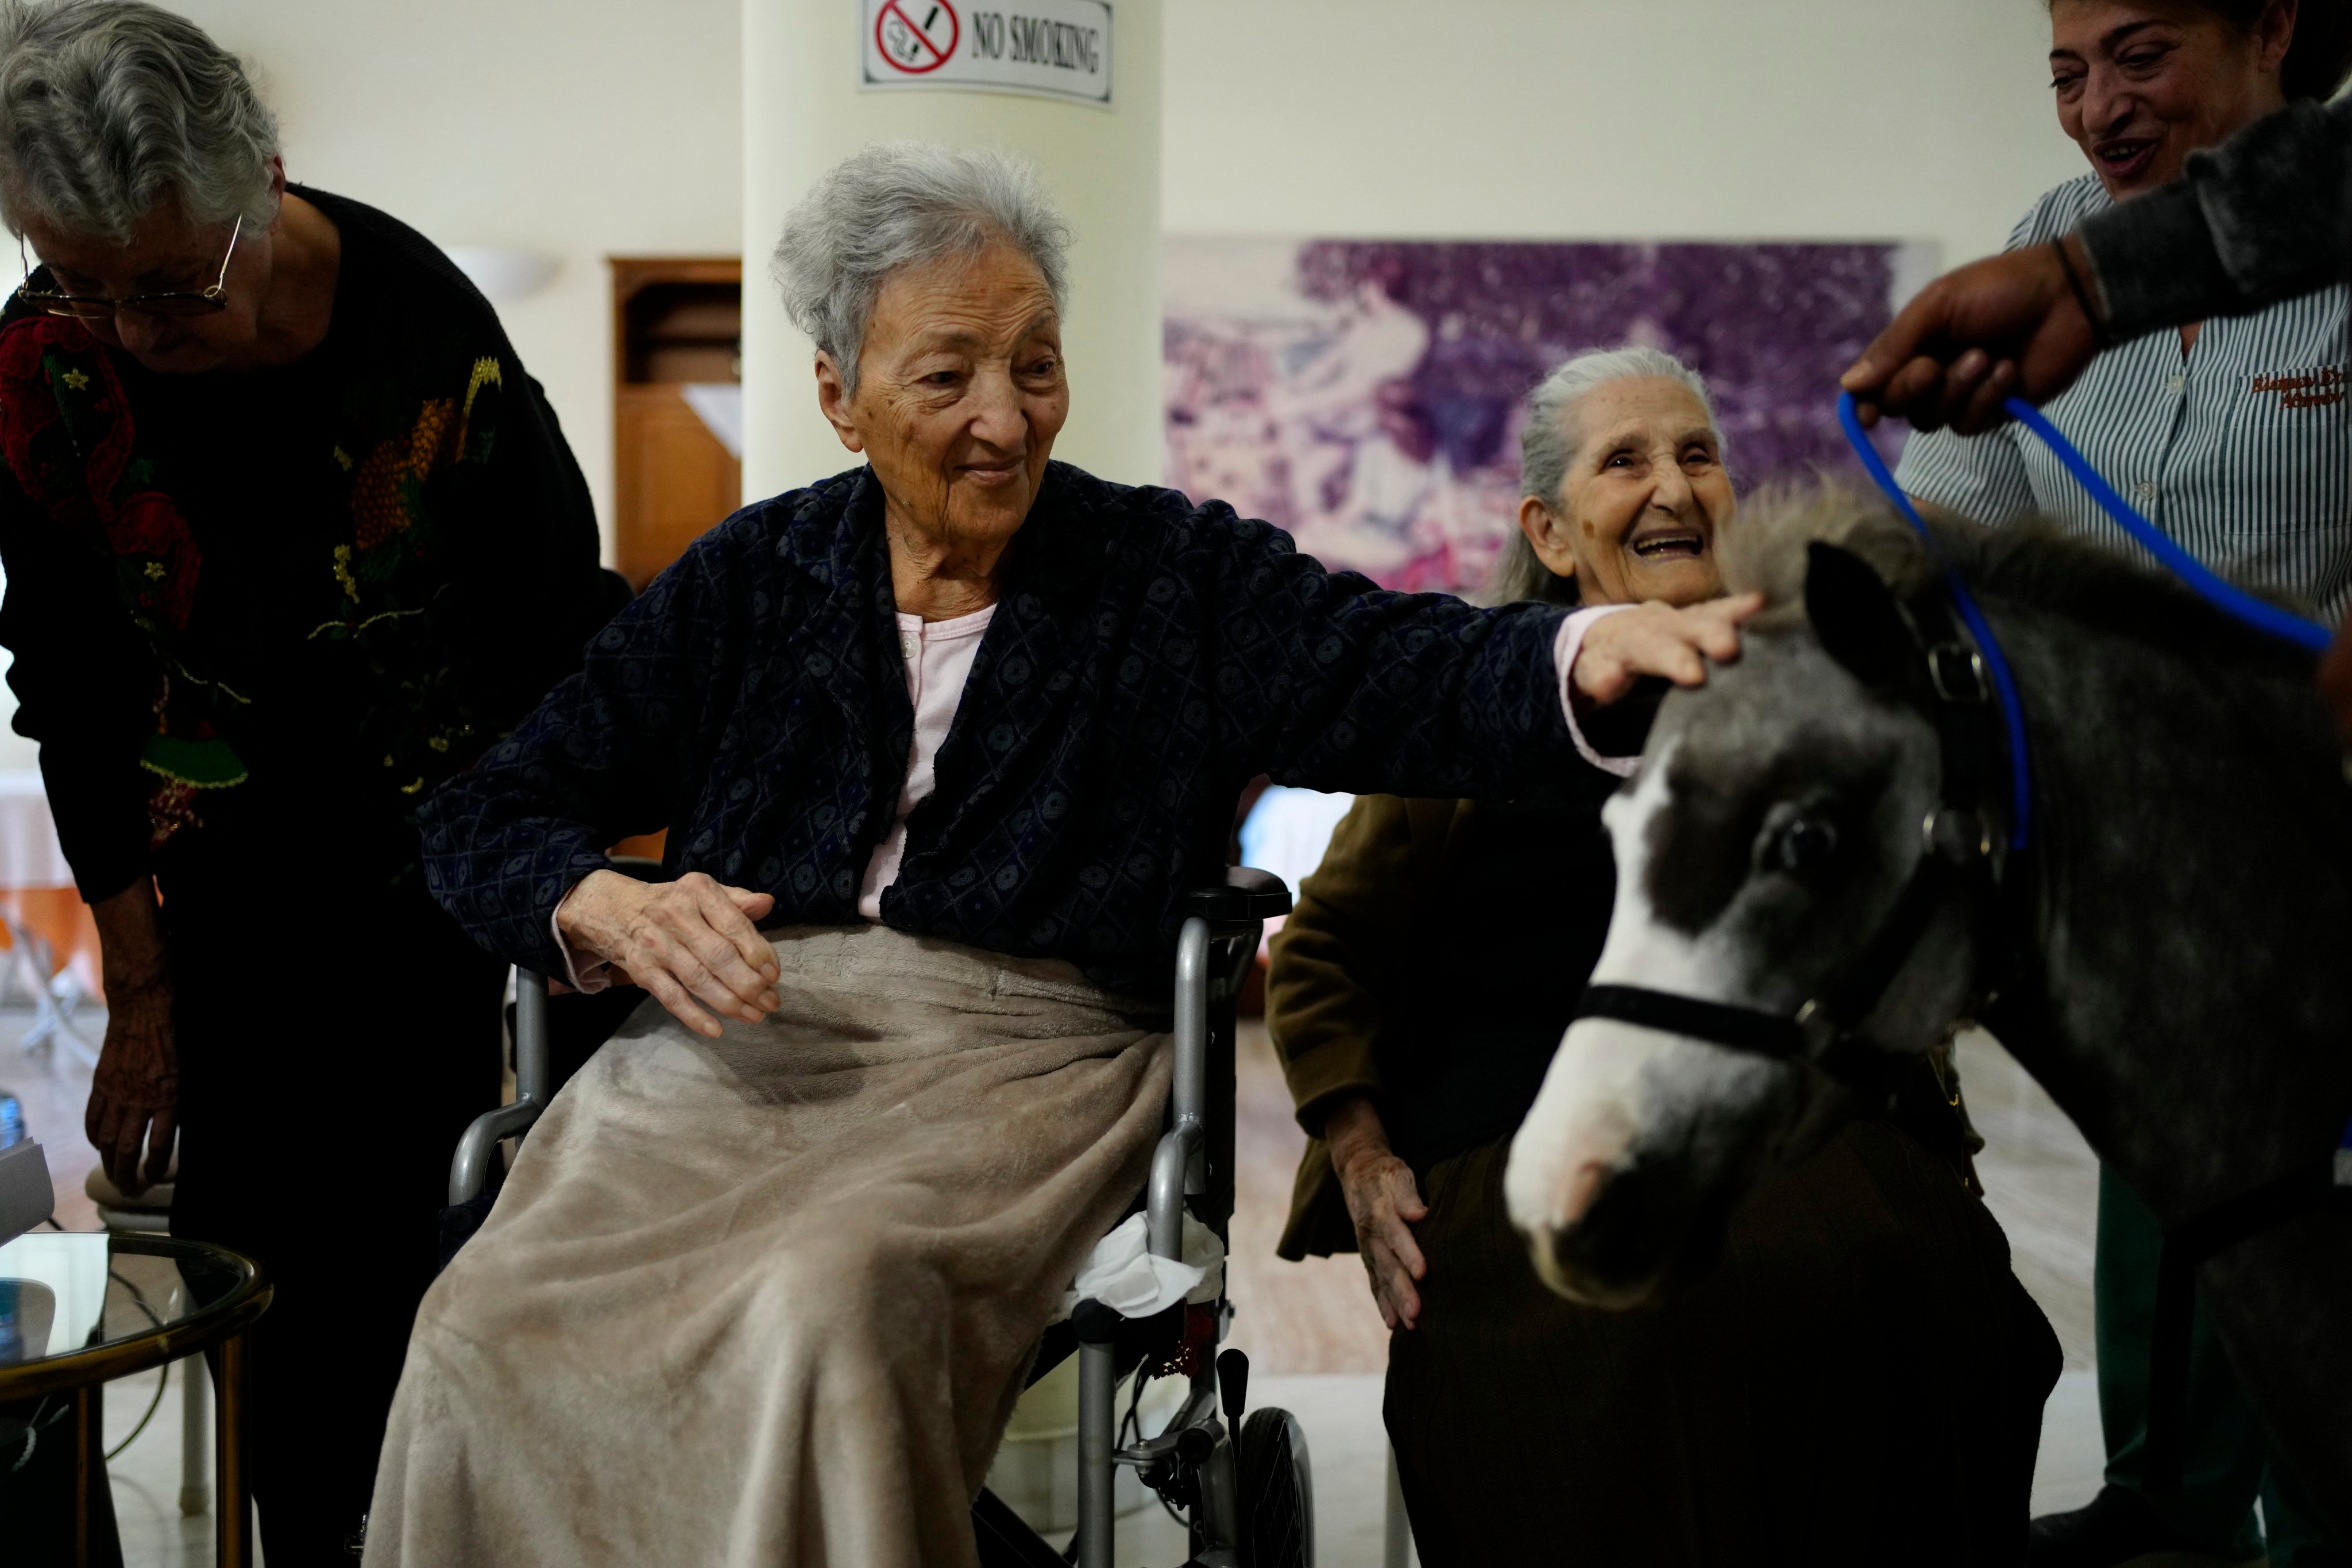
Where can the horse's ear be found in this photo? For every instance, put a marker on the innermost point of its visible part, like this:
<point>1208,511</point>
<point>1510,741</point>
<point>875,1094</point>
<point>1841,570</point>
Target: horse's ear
<point>1856,616</point>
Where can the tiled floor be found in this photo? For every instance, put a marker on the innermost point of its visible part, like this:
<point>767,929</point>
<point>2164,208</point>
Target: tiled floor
<point>1316,1343</point>
<point>2042,1182</point>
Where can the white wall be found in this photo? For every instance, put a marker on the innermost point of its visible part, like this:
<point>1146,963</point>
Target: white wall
<point>571,128</point>
<point>1611,119</point>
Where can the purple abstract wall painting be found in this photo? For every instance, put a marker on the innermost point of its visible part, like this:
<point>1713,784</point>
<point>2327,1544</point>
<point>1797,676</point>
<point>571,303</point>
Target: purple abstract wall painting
<point>1367,395</point>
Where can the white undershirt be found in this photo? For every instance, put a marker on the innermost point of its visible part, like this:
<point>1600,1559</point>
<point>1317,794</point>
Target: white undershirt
<point>939,656</point>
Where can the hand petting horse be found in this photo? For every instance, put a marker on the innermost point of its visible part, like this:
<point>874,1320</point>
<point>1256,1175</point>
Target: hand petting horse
<point>1815,877</point>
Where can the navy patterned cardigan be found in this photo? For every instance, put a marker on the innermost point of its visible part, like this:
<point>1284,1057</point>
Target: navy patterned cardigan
<point>1148,657</point>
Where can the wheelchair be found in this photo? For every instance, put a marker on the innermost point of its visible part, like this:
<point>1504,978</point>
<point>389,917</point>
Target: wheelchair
<point>1239,1477</point>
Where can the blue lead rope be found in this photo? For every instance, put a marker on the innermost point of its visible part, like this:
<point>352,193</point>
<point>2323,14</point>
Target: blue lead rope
<point>2013,713</point>
<point>2259,613</point>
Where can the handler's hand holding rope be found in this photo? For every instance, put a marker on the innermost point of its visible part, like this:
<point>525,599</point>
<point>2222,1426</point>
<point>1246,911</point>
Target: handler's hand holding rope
<point>2019,324</point>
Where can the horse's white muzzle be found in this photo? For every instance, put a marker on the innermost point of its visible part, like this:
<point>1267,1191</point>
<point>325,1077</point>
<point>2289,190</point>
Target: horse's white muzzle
<point>1629,1162</point>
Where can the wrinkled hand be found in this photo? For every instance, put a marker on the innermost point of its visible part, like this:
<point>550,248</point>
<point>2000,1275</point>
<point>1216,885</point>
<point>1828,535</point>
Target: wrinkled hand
<point>1656,638</point>
<point>1385,1205</point>
<point>134,1095</point>
<point>2009,325</point>
<point>691,943</point>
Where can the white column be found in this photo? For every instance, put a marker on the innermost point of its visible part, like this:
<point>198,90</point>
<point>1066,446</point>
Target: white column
<point>803,111</point>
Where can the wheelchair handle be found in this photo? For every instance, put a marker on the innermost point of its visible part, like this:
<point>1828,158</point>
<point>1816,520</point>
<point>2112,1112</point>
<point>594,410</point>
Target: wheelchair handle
<point>1238,909</point>
<point>469,1170</point>
<point>1184,1146</point>
<point>1246,894</point>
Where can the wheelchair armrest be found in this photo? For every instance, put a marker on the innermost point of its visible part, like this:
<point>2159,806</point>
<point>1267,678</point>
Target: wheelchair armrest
<point>1248,894</point>
<point>469,1170</point>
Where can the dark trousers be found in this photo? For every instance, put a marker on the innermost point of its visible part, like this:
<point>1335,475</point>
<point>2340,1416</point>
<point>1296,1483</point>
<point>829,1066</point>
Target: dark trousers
<point>332,1052</point>
<point>2225,1462</point>
<point>1860,1382</point>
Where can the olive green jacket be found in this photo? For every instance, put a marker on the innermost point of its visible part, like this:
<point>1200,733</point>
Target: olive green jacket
<point>1333,979</point>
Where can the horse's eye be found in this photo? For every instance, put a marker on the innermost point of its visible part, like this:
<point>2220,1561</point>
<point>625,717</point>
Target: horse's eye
<point>1806,845</point>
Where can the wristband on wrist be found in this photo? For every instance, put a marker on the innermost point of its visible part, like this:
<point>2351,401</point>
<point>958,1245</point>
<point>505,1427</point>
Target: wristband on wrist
<point>2099,338</point>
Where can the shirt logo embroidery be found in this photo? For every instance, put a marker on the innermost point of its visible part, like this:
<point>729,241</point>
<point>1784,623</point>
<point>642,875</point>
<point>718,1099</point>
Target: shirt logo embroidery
<point>2312,389</point>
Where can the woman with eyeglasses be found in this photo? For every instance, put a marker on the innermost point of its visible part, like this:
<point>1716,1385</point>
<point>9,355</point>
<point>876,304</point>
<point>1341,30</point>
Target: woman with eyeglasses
<point>291,537</point>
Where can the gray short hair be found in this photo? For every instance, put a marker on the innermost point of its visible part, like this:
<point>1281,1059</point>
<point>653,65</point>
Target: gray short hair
<point>902,204</point>
<point>1546,448</point>
<point>111,107</point>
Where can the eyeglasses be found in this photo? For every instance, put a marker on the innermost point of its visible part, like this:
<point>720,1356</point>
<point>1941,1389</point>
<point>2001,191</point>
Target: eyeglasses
<point>97,307</point>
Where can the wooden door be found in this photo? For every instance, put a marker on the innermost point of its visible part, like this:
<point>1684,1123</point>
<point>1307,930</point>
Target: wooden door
<point>673,478</point>
<point>677,321</point>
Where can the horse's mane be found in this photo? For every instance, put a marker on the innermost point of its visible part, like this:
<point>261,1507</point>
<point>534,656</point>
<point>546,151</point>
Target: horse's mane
<point>2029,565</point>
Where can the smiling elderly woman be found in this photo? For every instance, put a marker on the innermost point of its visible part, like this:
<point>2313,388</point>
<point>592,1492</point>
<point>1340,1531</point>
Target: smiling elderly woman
<point>957,728</point>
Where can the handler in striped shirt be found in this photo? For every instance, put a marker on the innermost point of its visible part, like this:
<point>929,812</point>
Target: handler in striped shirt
<point>2234,436</point>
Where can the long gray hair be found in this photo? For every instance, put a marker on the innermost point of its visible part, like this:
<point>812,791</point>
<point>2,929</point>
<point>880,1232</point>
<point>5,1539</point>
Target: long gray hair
<point>1547,446</point>
<point>902,204</point>
<point>109,108</point>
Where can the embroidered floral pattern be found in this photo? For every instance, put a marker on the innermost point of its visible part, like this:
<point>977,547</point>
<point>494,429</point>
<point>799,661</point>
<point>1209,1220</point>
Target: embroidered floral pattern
<point>70,438</point>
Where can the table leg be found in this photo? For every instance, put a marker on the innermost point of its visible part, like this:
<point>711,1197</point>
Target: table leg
<point>89,1467</point>
<point>196,1385</point>
<point>95,1542</point>
<point>232,1483</point>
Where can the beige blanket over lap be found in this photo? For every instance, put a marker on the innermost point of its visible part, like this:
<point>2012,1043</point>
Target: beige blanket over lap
<point>767,1300</point>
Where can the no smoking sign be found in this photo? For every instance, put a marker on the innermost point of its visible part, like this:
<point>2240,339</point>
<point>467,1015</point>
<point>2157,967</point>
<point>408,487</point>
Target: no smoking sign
<point>916,47</point>
<point>1041,48</point>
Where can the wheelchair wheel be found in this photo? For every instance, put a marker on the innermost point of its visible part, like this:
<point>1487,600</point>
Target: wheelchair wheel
<point>1278,1522</point>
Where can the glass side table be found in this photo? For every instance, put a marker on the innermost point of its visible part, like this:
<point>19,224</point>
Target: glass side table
<point>80,1308</point>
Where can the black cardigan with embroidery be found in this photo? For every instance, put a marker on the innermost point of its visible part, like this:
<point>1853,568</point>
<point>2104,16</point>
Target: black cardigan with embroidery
<point>1147,657</point>
<point>268,610</point>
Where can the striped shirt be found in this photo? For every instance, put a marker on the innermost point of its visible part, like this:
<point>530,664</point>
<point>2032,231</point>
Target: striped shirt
<point>2239,449</point>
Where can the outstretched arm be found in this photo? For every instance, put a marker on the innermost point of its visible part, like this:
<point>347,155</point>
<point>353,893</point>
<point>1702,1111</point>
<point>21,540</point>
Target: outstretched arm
<point>2262,217</point>
<point>1326,681</point>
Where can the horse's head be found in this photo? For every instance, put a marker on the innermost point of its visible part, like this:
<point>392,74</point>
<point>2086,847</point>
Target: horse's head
<point>1774,823</point>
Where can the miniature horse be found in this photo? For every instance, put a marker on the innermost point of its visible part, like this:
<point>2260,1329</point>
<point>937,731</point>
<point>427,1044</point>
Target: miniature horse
<point>2170,954</point>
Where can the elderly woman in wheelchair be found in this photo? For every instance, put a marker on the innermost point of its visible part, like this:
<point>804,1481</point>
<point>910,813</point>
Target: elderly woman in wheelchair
<point>943,744</point>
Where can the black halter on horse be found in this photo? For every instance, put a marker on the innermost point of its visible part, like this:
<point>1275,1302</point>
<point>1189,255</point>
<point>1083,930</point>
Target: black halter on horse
<point>1945,678</point>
